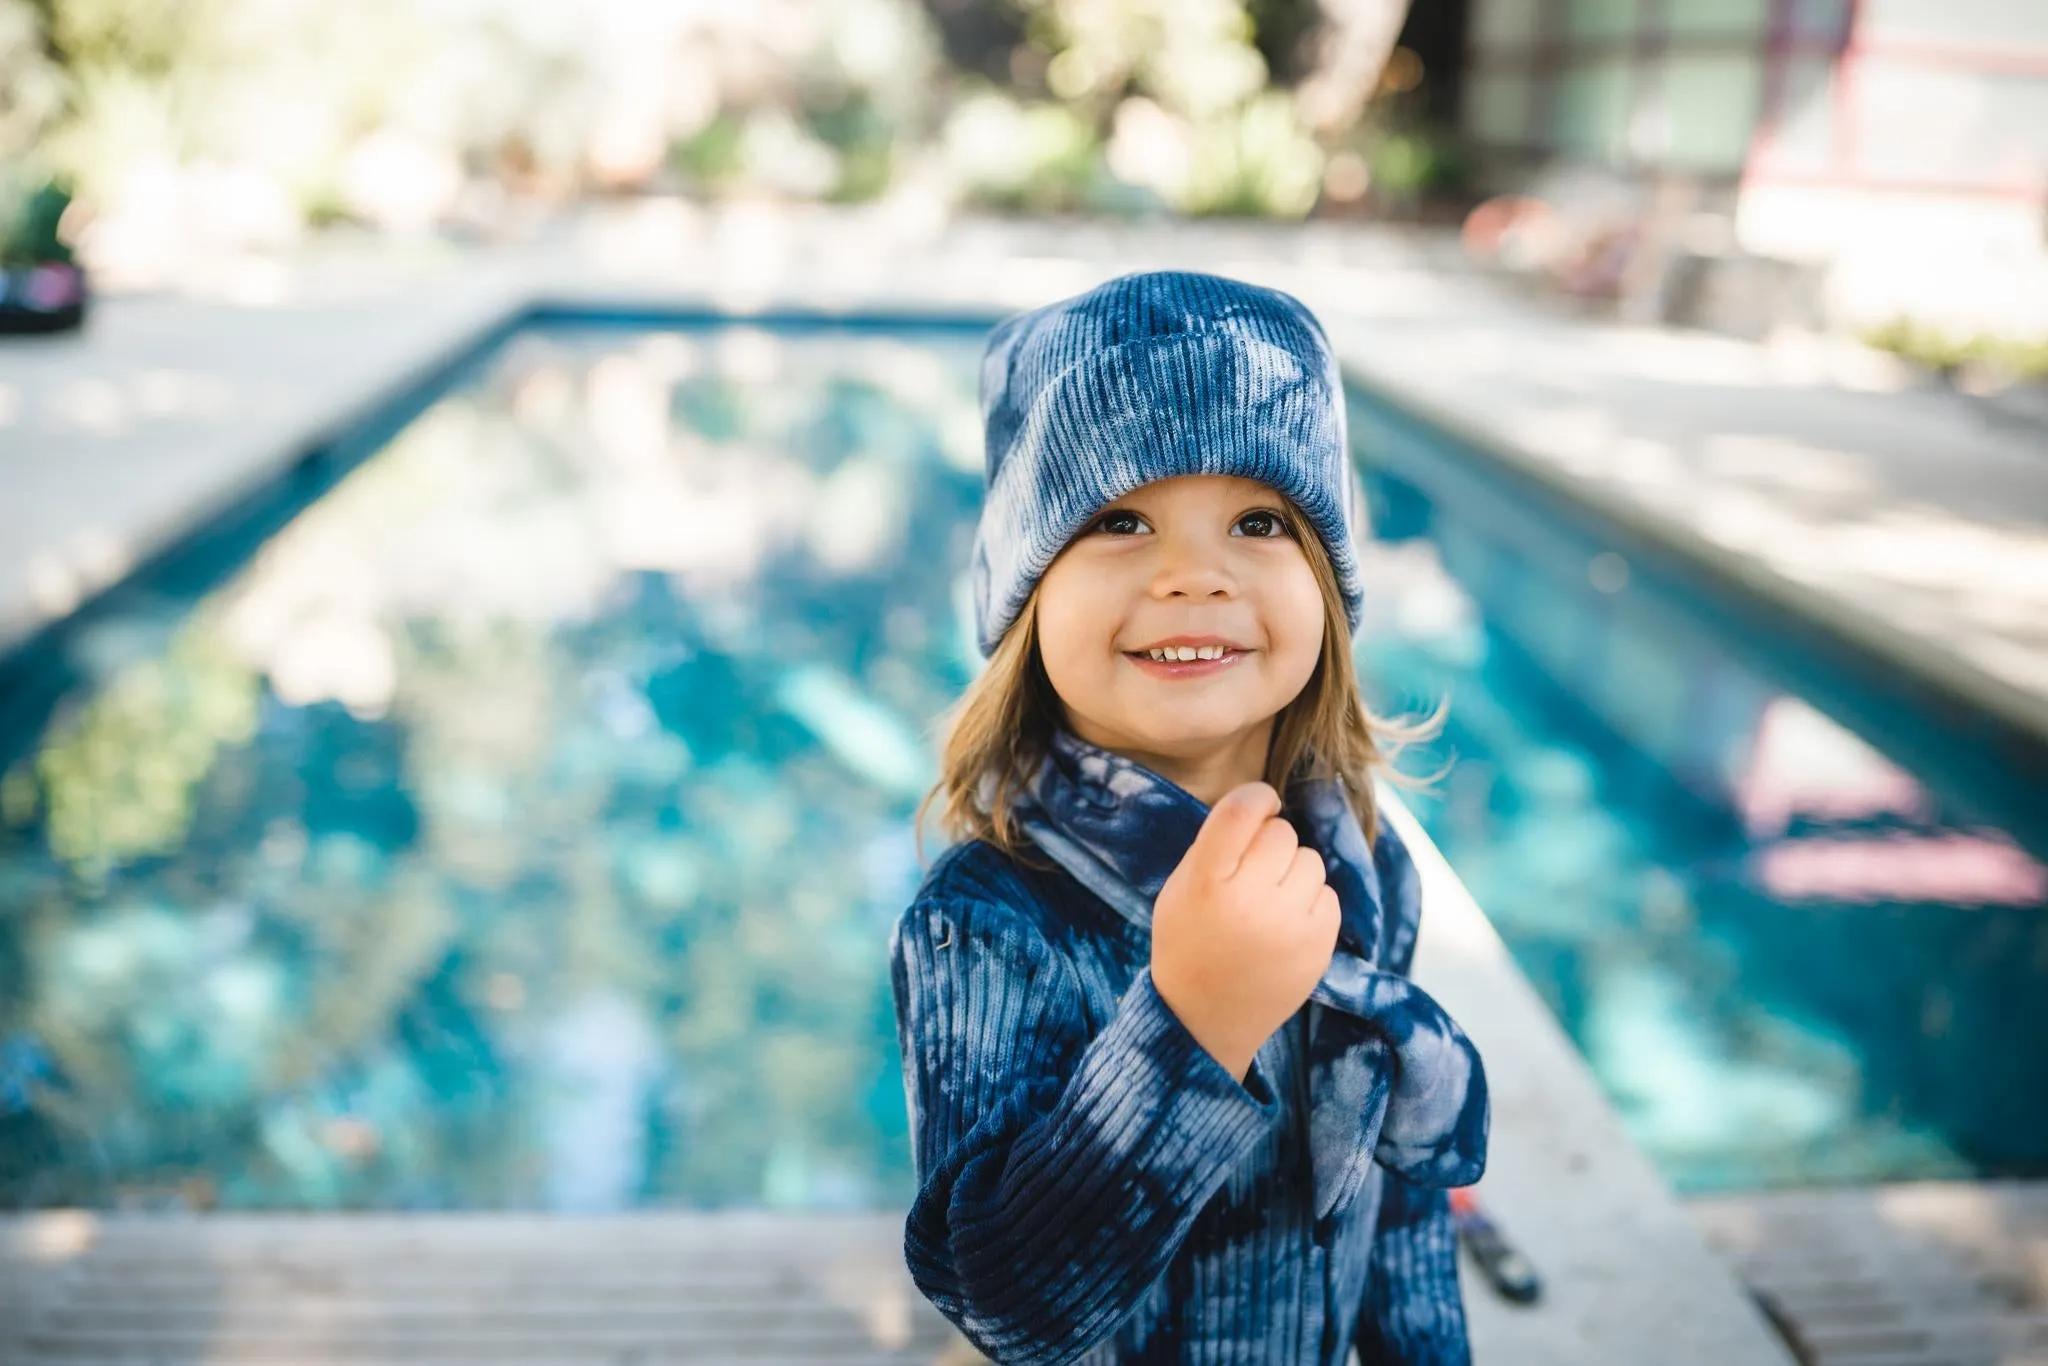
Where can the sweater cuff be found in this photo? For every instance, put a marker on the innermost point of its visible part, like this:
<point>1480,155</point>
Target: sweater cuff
<point>1145,1085</point>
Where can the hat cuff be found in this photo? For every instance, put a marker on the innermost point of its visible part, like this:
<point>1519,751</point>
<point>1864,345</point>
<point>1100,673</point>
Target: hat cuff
<point>1214,403</point>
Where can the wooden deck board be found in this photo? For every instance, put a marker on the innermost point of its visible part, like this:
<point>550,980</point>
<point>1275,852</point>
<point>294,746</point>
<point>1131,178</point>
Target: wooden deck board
<point>1923,1274</point>
<point>460,1289</point>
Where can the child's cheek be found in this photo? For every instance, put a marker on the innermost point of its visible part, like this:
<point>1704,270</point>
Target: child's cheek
<point>1077,634</point>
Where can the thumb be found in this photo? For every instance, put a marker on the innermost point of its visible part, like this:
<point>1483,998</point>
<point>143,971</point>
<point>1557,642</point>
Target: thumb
<point>1231,826</point>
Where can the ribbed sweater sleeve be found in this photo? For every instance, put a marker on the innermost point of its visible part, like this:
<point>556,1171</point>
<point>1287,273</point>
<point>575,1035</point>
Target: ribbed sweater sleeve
<point>1057,1173</point>
<point>1413,1313</point>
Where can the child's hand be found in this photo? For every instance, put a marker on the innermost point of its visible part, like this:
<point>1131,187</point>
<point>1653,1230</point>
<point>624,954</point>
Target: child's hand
<point>1244,927</point>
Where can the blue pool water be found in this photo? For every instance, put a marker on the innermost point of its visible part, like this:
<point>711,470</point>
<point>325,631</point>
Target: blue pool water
<point>519,824</point>
<point>1794,951</point>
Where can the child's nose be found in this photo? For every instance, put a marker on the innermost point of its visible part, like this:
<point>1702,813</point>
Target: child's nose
<point>1186,570</point>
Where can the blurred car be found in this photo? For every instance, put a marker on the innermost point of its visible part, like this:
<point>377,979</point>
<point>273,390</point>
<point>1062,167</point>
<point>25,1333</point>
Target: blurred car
<point>49,296</point>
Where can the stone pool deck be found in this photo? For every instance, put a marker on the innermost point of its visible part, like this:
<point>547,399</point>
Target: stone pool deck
<point>1908,519</point>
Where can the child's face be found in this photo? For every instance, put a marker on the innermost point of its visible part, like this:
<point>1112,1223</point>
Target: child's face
<point>1190,560</point>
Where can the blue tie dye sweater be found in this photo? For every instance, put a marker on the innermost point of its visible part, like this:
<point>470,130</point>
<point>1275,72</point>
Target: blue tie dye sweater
<point>1093,1186</point>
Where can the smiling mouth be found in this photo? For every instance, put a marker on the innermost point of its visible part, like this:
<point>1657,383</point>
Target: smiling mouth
<point>1168,653</point>
<point>1185,661</point>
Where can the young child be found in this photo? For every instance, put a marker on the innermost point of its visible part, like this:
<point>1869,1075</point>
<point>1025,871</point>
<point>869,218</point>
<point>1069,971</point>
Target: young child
<point>1172,1095</point>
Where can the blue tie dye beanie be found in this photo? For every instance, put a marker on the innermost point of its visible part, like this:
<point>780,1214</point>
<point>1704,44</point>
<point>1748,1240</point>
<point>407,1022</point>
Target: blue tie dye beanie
<point>1142,378</point>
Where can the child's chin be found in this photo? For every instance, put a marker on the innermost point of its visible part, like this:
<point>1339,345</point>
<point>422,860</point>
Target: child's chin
<point>1169,727</point>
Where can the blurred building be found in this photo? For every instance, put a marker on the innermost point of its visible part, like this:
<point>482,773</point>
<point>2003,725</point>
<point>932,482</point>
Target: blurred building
<point>1900,138</point>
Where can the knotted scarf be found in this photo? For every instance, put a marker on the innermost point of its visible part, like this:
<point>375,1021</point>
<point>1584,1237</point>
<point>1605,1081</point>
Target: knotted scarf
<point>1392,1078</point>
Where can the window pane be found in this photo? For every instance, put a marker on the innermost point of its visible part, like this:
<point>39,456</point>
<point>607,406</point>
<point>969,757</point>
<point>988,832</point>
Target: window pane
<point>1600,18</point>
<point>1591,109</point>
<point>1497,109</point>
<point>1711,105</point>
<point>1719,17</point>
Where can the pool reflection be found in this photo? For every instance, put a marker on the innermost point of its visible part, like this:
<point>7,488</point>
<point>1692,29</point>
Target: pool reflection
<point>442,855</point>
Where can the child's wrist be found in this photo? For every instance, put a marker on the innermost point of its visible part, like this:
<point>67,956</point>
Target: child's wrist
<point>1231,1053</point>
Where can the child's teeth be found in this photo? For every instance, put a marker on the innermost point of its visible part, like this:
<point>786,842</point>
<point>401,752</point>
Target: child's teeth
<point>1174,653</point>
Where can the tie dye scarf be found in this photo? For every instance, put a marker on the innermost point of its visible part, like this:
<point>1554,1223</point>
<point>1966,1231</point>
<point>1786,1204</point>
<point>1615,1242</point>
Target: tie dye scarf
<point>1392,1078</point>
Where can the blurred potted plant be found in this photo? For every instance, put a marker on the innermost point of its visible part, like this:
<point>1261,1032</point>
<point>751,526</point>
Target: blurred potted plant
<point>42,289</point>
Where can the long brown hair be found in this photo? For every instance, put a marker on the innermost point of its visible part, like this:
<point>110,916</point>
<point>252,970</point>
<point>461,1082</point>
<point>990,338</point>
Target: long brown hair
<point>999,731</point>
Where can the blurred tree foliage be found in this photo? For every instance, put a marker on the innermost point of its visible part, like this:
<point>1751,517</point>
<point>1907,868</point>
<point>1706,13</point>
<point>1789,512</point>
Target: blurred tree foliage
<point>1184,104</point>
<point>29,219</point>
<point>31,94</point>
<point>1283,31</point>
<point>148,37</point>
<point>31,81</point>
<point>983,37</point>
<point>253,117</point>
<point>2001,359</point>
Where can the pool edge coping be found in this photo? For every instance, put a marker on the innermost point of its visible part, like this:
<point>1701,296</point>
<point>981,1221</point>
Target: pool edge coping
<point>1942,672</point>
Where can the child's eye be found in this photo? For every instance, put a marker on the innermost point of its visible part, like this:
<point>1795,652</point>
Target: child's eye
<point>1262,524</point>
<point>1121,522</point>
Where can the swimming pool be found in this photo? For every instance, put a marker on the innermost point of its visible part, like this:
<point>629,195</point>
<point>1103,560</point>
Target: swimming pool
<point>514,818</point>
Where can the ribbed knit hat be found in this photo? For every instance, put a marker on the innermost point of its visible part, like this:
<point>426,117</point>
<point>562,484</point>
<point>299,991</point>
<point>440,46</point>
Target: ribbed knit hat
<point>1142,378</point>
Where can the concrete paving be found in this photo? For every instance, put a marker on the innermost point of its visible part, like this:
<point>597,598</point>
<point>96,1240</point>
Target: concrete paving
<point>116,439</point>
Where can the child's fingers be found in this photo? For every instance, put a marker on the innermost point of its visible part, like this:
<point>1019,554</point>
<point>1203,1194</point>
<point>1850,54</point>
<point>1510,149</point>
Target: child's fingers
<point>1227,832</point>
<point>1305,872</point>
<point>1265,863</point>
<point>1329,912</point>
